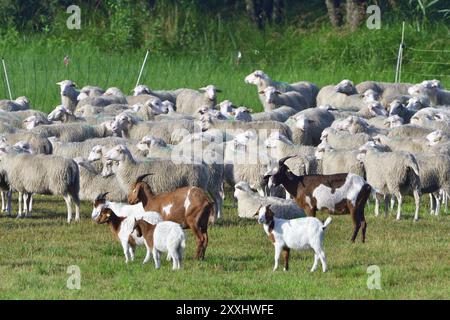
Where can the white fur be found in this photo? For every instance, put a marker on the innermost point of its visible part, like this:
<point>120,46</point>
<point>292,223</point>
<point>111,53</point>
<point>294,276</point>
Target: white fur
<point>168,237</point>
<point>298,234</point>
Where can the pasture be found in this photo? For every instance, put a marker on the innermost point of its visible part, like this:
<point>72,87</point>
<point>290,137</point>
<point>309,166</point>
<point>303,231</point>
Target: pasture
<point>413,258</point>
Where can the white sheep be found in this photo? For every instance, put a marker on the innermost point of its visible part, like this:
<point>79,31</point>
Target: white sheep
<point>276,98</point>
<point>189,100</point>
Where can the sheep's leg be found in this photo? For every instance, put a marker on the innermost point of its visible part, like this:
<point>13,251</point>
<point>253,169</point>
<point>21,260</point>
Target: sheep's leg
<point>28,200</point>
<point>377,206</point>
<point>3,201</point>
<point>278,250</point>
<point>445,195</point>
<point>156,258</point>
<point>438,203</point>
<point>68,201</point>
<point>19,199</point>
<point>387,198</point>
<point>9,194</point>
<point>30,203</point>
<point>399,207</point>
<point>77,207</point>
<point>417,203</point>
<point>286,258</point>
<point>148,253</point>
<point>392,204</point>
<point>316,260</point>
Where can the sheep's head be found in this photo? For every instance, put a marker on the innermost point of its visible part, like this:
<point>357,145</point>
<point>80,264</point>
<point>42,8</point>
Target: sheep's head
<point>321,149</point>
<point>270,94</point>
<point>109,168</point>
<point>393,121</point>
<point>396,107</point>
<point>431,84</point>
<point>435,137</point>
<point>167,106</point>
<point>325,133</point>
<point>353,124</point>
<point>370,95</point>
<point>155,104</point>
<point>244,139</point>
<point>417,103</point>
<point>114,91</point>
<point>241,186</point>
<point>96,153</point>
<point>136,194</point>
<point>346,87</point>
<point>58,114</point>
<point>226,106</point>
<point>32,122</point>
<point>23,147</point>
<point>279,173</point>
<point>67,87</point>
<point>210,92</point>
<point>257,78</point>
<point>148,142</point>
<point>302,122</point>
<point>118,153</point>
<point>121,123</point>
<point>141,89</point>
<point>377,109</point>
<point>23,101</point>
<point>265,215</point>
<point>243,114</point>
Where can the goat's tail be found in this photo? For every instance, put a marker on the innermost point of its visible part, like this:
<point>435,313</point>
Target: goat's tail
<point>326,223</point>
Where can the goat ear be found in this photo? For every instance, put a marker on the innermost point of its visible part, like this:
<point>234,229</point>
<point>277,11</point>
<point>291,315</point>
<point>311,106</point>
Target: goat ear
<point>257,211</point>
<point>141,178</point>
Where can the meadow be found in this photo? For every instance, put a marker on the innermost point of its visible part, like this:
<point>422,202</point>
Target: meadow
<point>36,252</point>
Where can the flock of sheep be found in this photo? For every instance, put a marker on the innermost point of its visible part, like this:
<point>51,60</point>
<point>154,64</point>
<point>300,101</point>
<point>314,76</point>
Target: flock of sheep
<point>390,140</point>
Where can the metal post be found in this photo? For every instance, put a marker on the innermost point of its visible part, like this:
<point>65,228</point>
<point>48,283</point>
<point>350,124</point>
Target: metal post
<point>398,69</point>
<point>142,68</point>
<point>6,78</point>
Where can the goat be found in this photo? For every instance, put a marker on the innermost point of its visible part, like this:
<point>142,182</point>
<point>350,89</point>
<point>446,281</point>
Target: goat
<point>337,193</point>
<point>188,206</point>
<point>298,234</point>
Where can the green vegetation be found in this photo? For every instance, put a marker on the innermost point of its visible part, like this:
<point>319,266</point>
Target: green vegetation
<point>35,253</point>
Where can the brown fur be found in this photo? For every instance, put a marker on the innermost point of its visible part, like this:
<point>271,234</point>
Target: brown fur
<point>302,186</point>
<point>146,230</point>
<point>196,217</point>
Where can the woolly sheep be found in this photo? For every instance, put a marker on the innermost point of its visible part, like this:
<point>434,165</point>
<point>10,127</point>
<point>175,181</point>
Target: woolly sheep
<point>21,103</point>
<point>73,132</point>
<point>249,201</point>
<point>280,114</point>
<point>344,140</point>
<point>170,95</point>
<point>276,99</point>
<point>112,95</point>
<point>37,143</point>
<point>437,96</point>
<point>189,100</point>
<point>332,161</point>
<point>69,94</point>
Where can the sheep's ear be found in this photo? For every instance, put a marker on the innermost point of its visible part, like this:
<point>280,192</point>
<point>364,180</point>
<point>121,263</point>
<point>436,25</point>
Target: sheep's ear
<point>261,92</point>
<point>202,89</point>
<point>218,90</point>
<point>74,84</point>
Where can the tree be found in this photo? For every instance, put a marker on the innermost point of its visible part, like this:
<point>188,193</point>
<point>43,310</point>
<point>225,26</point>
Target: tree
<point>263,11</point>
<point>355,12</point>
<point>334,12</point>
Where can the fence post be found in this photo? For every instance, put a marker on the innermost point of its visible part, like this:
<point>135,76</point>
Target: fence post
<point>142,68</point>
<point>398,69</point>
<point>6,78</point>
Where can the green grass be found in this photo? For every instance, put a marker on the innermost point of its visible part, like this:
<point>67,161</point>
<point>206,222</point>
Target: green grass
<point>36,252</point>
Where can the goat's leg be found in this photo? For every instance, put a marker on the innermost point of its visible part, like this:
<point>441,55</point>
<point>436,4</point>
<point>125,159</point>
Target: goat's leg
<point>323,260</point>
<point>432,203</point>
<point>399,207</point>
<point>286,258</point>
<point>316,261</point>
<point>131,251</point>
<point>363,226</point>
<point>148,253</point>
<point>356,223</point>
<point>125,247</point>
<point>198,234</point>
<point>68,200</point>
<point>417,203</point>
<point>205,243</point>
<point>278,250</point>
<point>156,258</point>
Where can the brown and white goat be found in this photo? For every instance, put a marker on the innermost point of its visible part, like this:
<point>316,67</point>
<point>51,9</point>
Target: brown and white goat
<point>188,206</point>
<point>342,193</point>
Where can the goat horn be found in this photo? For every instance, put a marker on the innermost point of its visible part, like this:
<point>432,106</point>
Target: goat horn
<point>101,196</point>
<point>257,211</point>
<point>141,178</point>
<point>283,160</point>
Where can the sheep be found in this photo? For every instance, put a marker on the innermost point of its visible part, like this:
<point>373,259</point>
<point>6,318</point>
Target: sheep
<point>15,119</point>
<point>243,114</point>
<point>397,108</point>
<point>92,183</point>
<point>21,103</point>
<point>334,161</point>
<point>37,143</point>
<point>344,140</point>
<point>338,193</point>
<point>189,100</point>
<point>165,236</point>
<point>73,132</point>
<point>128,169</point>
<point>382,122</point>
<point>33,121</point>
<point>169,131</point>
<point>307,125</point>
<point>409,130</point>
<point>280,114</point>
<point>151,108</point>
<point>261,80</point>
<point>261,127</point>
<point>96,111</point>
<point>276,99</point>
<point>188,206</point>
<point>112,95</point>
<point>69,94</point>
<point>392,173</point>
<point>170,95</point>
<point>249,201</point>
<point>417,103</point>
<point>437,96</point>
<point>373,109</point>
<point>297,234</point>
<point>44,174</point>
<point>342,96</point>
<point>90,91</point>
<point>412,145</point>
<point>432,118</point>
<point>380,87</point>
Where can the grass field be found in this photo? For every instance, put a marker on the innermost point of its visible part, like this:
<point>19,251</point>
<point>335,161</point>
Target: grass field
<point>35,253</point>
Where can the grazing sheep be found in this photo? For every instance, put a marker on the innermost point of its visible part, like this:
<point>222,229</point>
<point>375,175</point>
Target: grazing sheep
<point>129,169</point>
<point>276,99</point>
<point>392,173</point>
<point>95,111</point>
<point>261,80</point>
<point>164,236</point>
<point>338,193</point>
<point>307,125</point>
<point>297,234</point>
<point>112,95</point>
<point>21,103</point>
<point>188,206</point>
<point>249,201</point>
<point>69,94</point>
<point>44,174</point>
<point>373,109</point>
<point>189,100</point>
<point>343,96</point>
<point>417,103</point>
